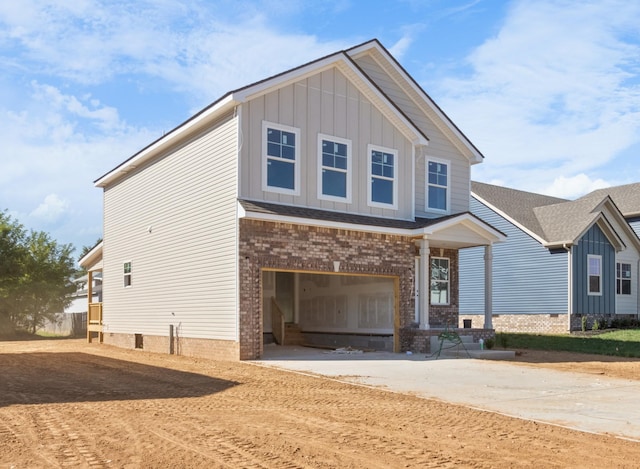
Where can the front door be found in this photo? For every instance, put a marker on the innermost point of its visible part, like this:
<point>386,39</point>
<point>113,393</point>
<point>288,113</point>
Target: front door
<point>285,294</point>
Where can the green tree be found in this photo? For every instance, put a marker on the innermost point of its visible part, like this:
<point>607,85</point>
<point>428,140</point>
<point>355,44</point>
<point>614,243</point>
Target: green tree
<point>47,283</point>
<point>13,256</point>
<point>35,277</point>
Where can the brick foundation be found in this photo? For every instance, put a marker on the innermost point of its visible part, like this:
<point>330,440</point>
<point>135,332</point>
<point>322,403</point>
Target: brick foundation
<point>218,349</point>
<point>524,323</point>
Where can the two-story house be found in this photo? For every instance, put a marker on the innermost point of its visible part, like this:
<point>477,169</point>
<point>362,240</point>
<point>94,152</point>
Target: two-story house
<point>333,196</point>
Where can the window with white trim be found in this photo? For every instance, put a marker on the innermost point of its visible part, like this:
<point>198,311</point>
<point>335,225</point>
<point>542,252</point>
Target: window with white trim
<point>334,168</point>
<point>127,274</point>
<point>438,185</point>
<point>280,158</point>
<point>439,281</point>
<point>594,274</point>
<point>623,278</point>
<point>383,175</point>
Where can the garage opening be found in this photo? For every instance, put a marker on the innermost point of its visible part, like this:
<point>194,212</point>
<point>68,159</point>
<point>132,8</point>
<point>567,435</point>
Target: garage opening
<point>329,310</point>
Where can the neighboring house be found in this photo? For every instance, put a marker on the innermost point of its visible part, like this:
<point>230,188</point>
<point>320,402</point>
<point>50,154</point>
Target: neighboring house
<point>330,200</point>
<point>562,259</point>
<point>73,321</point>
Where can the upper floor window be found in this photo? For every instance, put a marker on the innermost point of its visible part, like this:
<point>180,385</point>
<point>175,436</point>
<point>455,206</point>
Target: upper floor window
<point>334,168</point>
<point>439,281</point>
<point>383,175</point>
<point>623,278</point>
<point>594,275</point>
<point>438,185</point>
<point>281,161</point>
<point>127,274</point>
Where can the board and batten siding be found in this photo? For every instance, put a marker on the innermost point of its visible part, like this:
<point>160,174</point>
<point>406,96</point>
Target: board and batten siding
<point>175,221</point>
<point>440,146</point>
<point>596,243</point>
<point>325,103</point>
<point>527,277</point>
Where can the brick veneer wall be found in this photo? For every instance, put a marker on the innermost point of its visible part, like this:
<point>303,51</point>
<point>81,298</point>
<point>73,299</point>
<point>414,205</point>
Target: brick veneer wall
<point>218,349</point>
<point>525,323</point>
<point>283,246</point>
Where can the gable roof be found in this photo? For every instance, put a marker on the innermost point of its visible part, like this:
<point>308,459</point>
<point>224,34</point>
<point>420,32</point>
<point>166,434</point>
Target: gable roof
<point>340,60</point>
<point>552,221</point>
<point>415,92</point>
<point>626,197</point>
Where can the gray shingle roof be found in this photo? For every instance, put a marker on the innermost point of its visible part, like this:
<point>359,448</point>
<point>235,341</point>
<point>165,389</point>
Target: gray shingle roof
<point>626,198</point>
<point>565,222</point>
<point>518,205</point>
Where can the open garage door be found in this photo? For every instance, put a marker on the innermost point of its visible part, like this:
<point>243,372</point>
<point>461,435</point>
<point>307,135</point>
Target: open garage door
<point>334,310</point>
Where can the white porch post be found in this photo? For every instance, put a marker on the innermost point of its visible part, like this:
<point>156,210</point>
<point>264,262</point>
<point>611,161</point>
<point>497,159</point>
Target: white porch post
<point>424,283</point>
<point>488,286</point>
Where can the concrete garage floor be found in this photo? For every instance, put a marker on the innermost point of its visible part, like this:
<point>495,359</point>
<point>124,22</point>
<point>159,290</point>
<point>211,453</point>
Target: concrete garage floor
<point>583,402</point>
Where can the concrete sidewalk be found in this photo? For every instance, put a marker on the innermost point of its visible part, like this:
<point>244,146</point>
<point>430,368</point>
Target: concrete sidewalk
<point>590,403</point>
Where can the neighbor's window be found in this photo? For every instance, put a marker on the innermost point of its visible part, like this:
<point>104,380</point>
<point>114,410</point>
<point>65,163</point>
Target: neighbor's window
<point>623,278</point>
<point>439,281</point>
<point>438,185</point>
<point>127,274</point>
<point>383,170</point>
<point>334,168</point>
<point>281,148</point>
<point>594,273</point>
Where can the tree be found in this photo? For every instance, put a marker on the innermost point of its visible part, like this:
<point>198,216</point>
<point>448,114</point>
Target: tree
<point>13,257</point>
<point>35,276</point>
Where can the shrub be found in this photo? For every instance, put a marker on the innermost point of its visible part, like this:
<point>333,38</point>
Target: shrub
<point>596,325</point>
<point>489,343</point>
<point>584,323</point>
<point>502,340</point>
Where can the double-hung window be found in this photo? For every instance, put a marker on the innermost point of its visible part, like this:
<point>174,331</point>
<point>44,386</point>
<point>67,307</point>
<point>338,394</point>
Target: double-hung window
<point>127,274</point>
<point>383,177</point>
<point>438,178</point>
<point>439,281</point>
<point>334,168</point>
<point>281,158</point>
<point>623,278</point>
<point>594,275</point>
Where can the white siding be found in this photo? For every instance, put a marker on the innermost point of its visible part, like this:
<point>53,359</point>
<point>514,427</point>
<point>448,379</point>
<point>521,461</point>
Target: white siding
<point>175,221</point>
<point>440,146</point>
<point>325,103</point>
<point>628,304</point>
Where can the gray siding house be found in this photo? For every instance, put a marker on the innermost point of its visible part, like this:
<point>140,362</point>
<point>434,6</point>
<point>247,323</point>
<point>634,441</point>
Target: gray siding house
<point>562,259</point>
<point>327,203</point>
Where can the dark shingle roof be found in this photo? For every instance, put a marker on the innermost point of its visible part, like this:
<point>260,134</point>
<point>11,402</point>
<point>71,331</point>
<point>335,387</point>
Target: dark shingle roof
<point>339,217</point>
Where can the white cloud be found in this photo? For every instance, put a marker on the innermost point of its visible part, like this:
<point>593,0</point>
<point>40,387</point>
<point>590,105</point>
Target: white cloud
<point>51,209</point>
<point>555,88</point>
<point>574,187</point>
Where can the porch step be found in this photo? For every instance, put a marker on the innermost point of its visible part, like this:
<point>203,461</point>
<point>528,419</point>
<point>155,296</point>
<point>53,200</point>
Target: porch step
<point>292,335</point>
<point>468,349</point>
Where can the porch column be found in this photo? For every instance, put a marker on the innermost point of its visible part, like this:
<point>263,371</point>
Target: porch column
<point>424,283</point>
<point>89,300</point>
<point>488,286</point>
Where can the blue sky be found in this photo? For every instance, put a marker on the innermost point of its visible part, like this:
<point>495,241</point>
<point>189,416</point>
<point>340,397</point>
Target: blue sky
<point>549,90</point>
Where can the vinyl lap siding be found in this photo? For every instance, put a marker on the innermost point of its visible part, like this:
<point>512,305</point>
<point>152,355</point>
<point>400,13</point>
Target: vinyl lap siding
<point>175,221</point>
<point>527,278</point>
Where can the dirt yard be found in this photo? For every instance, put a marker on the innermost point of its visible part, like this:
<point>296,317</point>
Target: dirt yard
<point>66,403</point>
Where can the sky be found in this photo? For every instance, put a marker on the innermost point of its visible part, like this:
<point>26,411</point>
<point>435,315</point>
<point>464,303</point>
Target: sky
<point>548,90</point>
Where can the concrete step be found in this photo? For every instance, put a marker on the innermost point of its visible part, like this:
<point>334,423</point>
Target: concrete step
<point>480,354</point>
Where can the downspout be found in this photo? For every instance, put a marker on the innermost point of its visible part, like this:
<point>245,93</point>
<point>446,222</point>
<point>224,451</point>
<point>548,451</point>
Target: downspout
<point>569,250</point>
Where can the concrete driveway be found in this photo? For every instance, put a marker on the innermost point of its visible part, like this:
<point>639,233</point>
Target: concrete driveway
<point>590,403</point>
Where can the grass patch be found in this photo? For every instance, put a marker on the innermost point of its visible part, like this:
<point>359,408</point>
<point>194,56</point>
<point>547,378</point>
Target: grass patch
<point>620,343</point>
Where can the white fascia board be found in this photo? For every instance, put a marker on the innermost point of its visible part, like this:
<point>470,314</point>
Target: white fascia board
<point>470,222</point>
<point>509,219</point>
<point>160,145</point>
<point>90,258</point>
<point>477,156</point>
